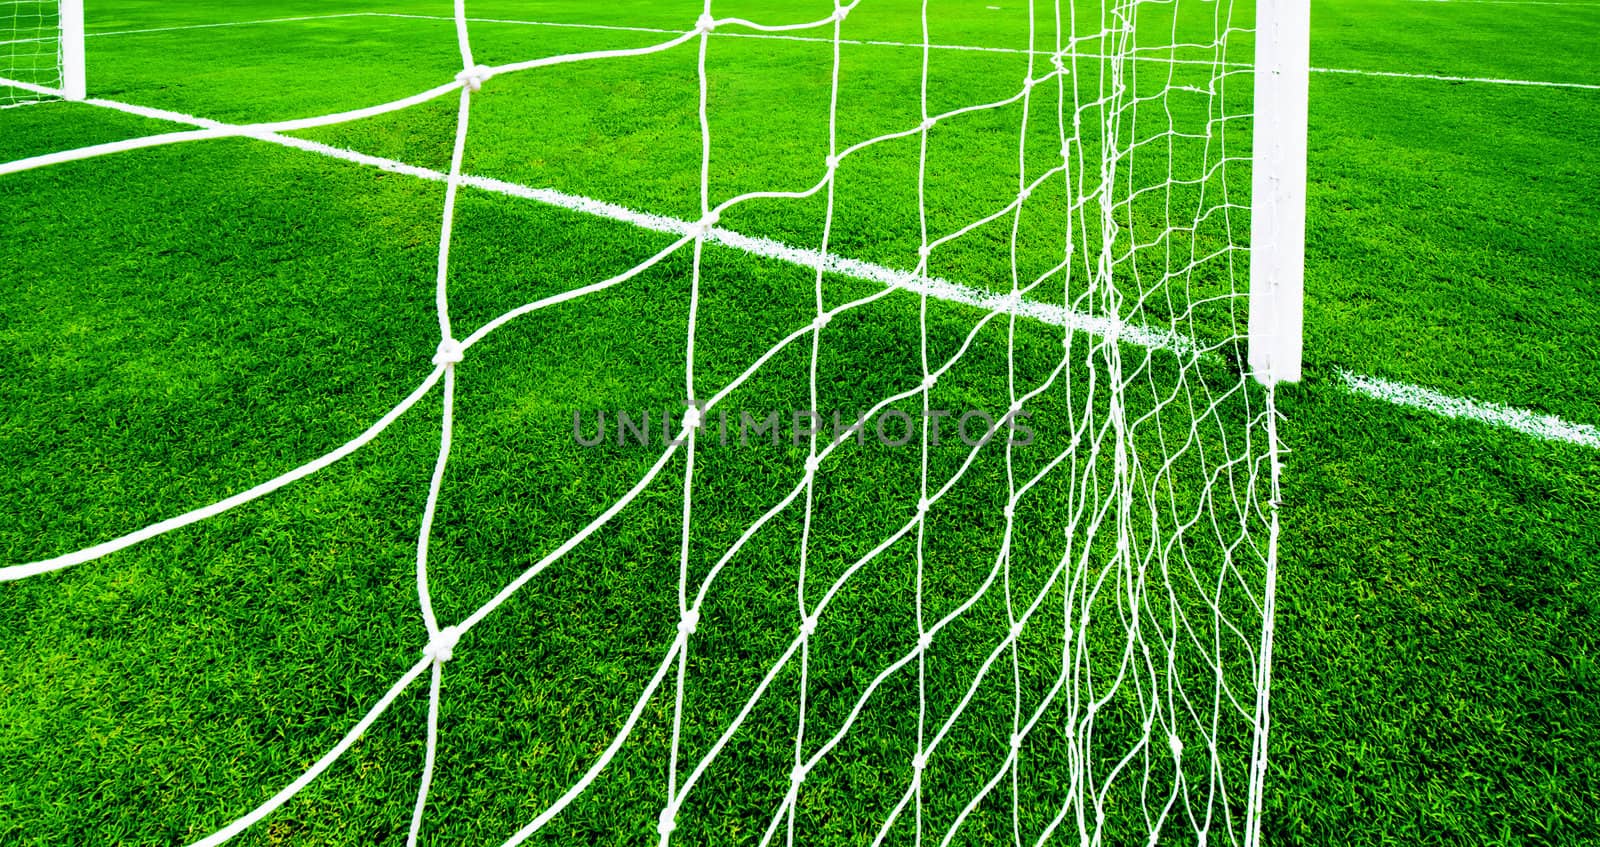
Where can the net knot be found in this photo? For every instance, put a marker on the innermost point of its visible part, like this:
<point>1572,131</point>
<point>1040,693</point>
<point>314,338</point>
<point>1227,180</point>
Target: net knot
<point>474,76</point>
<point>1016,408</point>
<point>705,24</point>
<point>442,647</point>
<point>930,381</point>
<point>1057,62</point>
<point>1010,511</point>
<point>841,12</point>
<point>919,762</point>
<point>702,228</point>
<point>798,775</point>
<point>1016,631</point>
<point>1016,741</point>
<point>690,622</point>
<point>925,641</point>
<point>1023,194</point>
<point>924,251</point>
<point>450,352</point>
<point>693,417</point>
<point>1066,151</point>
<point>1175,744</point>
<point>823,320</point>
<point>808,625</point>
<point>665,823</point>
<point>832,162</point>
<point>1029,83</point>
<point>924,505</point>
<point>813,463</point>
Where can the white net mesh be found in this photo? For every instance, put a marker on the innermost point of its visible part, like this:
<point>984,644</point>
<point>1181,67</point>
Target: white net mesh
<point>1096,674</point>
<point>30,50</point>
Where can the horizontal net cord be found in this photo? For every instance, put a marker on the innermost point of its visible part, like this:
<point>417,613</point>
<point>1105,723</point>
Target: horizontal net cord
<point>769,34</point>
<point>228,130</point>
<point>222,131</point>
<point>15,572</point>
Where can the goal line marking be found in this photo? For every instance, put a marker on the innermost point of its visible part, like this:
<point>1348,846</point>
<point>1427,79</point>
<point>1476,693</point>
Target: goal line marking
<point>299,19</point>
<point>1511,2</point>
<point>1546,427</point>
<point>802,38</point>
<point>1444,78</point>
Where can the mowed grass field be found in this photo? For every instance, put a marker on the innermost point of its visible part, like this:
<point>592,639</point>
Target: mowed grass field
<point>182,322</point>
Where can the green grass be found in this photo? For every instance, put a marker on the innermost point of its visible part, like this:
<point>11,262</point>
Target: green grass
<point>180,322</point>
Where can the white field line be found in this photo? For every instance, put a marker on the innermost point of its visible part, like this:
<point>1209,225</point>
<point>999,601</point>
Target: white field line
<point>40,90</point>
<point>1443,78</point>
<point>1150,337</point>
<point>299,19</point>
<point>956,47</point>
<point>1547,427</point>
<point>91,34</point>
<point>1511,2</point>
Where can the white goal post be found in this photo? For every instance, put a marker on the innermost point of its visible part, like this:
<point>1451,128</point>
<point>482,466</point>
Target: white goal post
<point>1278,188</point>
<point>74,79</point>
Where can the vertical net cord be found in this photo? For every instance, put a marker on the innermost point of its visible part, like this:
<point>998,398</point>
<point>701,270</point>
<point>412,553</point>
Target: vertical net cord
<point>441,643</point>
<point>813,460</point>
<point>1263,715</point>
<point>919,761</point>
<point>1014,755</point>
<point>1104,290</point>
<point>688,618</point>
<point>1063,69</point>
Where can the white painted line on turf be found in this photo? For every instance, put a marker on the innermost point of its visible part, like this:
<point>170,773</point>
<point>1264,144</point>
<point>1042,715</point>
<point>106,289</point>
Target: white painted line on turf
<point>1444,78</point>
<point>1414,396</point>
<point>942,289</point>
<point>300,19</point>
<point>1547,427</point>
<point>769,36</point>
<point>1511,2</point>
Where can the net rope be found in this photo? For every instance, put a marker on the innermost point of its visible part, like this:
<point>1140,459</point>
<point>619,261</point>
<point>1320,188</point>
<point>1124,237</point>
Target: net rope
<point>1212,607</point>
<point>30,51</point>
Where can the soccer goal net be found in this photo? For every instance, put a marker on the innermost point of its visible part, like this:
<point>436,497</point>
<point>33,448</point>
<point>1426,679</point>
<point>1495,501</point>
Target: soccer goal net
<point>41,51</point>
<point>977,544</point>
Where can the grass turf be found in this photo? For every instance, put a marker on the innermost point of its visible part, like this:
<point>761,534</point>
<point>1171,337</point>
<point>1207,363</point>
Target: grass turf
<point>240,308</point>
